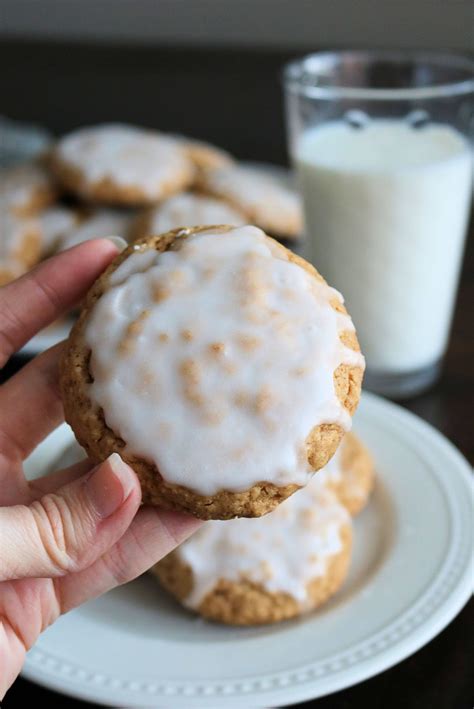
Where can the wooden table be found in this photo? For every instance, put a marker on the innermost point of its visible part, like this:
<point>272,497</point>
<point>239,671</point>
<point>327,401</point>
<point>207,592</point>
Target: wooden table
<point>234,99</point>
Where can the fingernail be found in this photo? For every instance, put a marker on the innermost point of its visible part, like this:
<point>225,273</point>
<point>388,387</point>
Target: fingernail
<point>109,485</point>
<point>117,241</point>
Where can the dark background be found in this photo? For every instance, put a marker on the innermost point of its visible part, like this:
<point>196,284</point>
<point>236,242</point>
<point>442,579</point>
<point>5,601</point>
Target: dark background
<point>233,98</point>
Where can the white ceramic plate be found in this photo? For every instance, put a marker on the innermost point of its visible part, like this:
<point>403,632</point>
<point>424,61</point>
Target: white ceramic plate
<point>410,576</point>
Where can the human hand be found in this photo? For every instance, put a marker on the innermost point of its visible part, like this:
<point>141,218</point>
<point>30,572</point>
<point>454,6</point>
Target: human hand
<point>72,535</point>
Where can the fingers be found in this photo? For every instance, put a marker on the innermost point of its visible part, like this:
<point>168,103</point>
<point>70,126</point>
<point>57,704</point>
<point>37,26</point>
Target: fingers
<point>12,655</point>
<point>30,405</point>
<point>151,536</point>
<point>42,295</point>
<point>67,531</point>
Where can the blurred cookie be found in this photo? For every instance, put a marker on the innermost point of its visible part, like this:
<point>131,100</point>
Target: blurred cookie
<point>20,244</point>
<point>26,188</point>
<point>185,209</point>
<point>204,155</point>
<point>121,165</point>
<point>54,223</point>
<point>98,225</point>
<point>350,473</point>
<point>263,199</point>
<point>226,377</point>
<point>247,572</point>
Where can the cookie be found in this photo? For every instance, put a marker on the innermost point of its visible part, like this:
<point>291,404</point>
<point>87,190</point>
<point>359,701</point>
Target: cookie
<point>98,225</point>
<point>54,223</point>
<point>204,155</point>
<point>218,364</point>
<point>264,200</point>
<point>26,188</point>
<point>248,572</point>
<point>121,165</point>
<point>350,474</point>
<point>185,209</point>
<point>20,244</point>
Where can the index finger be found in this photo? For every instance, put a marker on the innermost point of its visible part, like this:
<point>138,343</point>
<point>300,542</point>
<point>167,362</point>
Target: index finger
<point>49,290</point>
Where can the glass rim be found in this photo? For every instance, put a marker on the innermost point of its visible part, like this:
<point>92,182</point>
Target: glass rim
<point>293,73</point>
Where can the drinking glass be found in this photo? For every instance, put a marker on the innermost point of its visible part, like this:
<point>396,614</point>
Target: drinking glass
<point>382,145</point>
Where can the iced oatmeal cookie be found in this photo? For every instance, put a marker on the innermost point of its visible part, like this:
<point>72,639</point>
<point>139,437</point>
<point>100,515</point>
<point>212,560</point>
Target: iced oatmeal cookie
<point>219,365</point>
<point>247,572</point>
<point>264,200</point>
<point>121,165</point>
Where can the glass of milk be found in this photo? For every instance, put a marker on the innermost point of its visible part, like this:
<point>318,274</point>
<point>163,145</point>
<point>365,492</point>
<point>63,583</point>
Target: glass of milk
<point>382,144</point>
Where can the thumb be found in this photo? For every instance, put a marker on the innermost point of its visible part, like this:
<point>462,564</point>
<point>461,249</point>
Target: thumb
<point>69,529</point>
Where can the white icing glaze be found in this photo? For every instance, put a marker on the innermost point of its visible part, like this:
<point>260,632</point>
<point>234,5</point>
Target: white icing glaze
<point>128,156</point>
<point>258,194</point>
<point>216,360</point>
<point>103,223</point>
<point>142,260</point>
<point>190,210</point>
<point>282,551</point>
<point>54,223</point>
<point>19,184</point>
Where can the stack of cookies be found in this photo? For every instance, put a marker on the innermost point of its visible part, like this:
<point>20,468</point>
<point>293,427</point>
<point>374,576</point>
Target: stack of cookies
<point>249,572</point>
<point>275,567</point>
<point>127,181</point>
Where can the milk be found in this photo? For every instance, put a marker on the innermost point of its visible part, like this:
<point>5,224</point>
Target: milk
<point>386,207</point>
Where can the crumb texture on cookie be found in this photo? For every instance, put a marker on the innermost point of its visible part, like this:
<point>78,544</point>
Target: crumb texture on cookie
<point>264,570</point>
<point>214,363</point>
<point>350,473</point>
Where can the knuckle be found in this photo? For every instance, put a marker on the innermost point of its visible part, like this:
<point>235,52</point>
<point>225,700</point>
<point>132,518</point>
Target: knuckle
<point>54,526</point>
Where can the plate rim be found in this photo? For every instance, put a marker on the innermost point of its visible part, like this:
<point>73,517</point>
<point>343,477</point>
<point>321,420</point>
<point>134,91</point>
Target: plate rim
<point>305,683</point>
